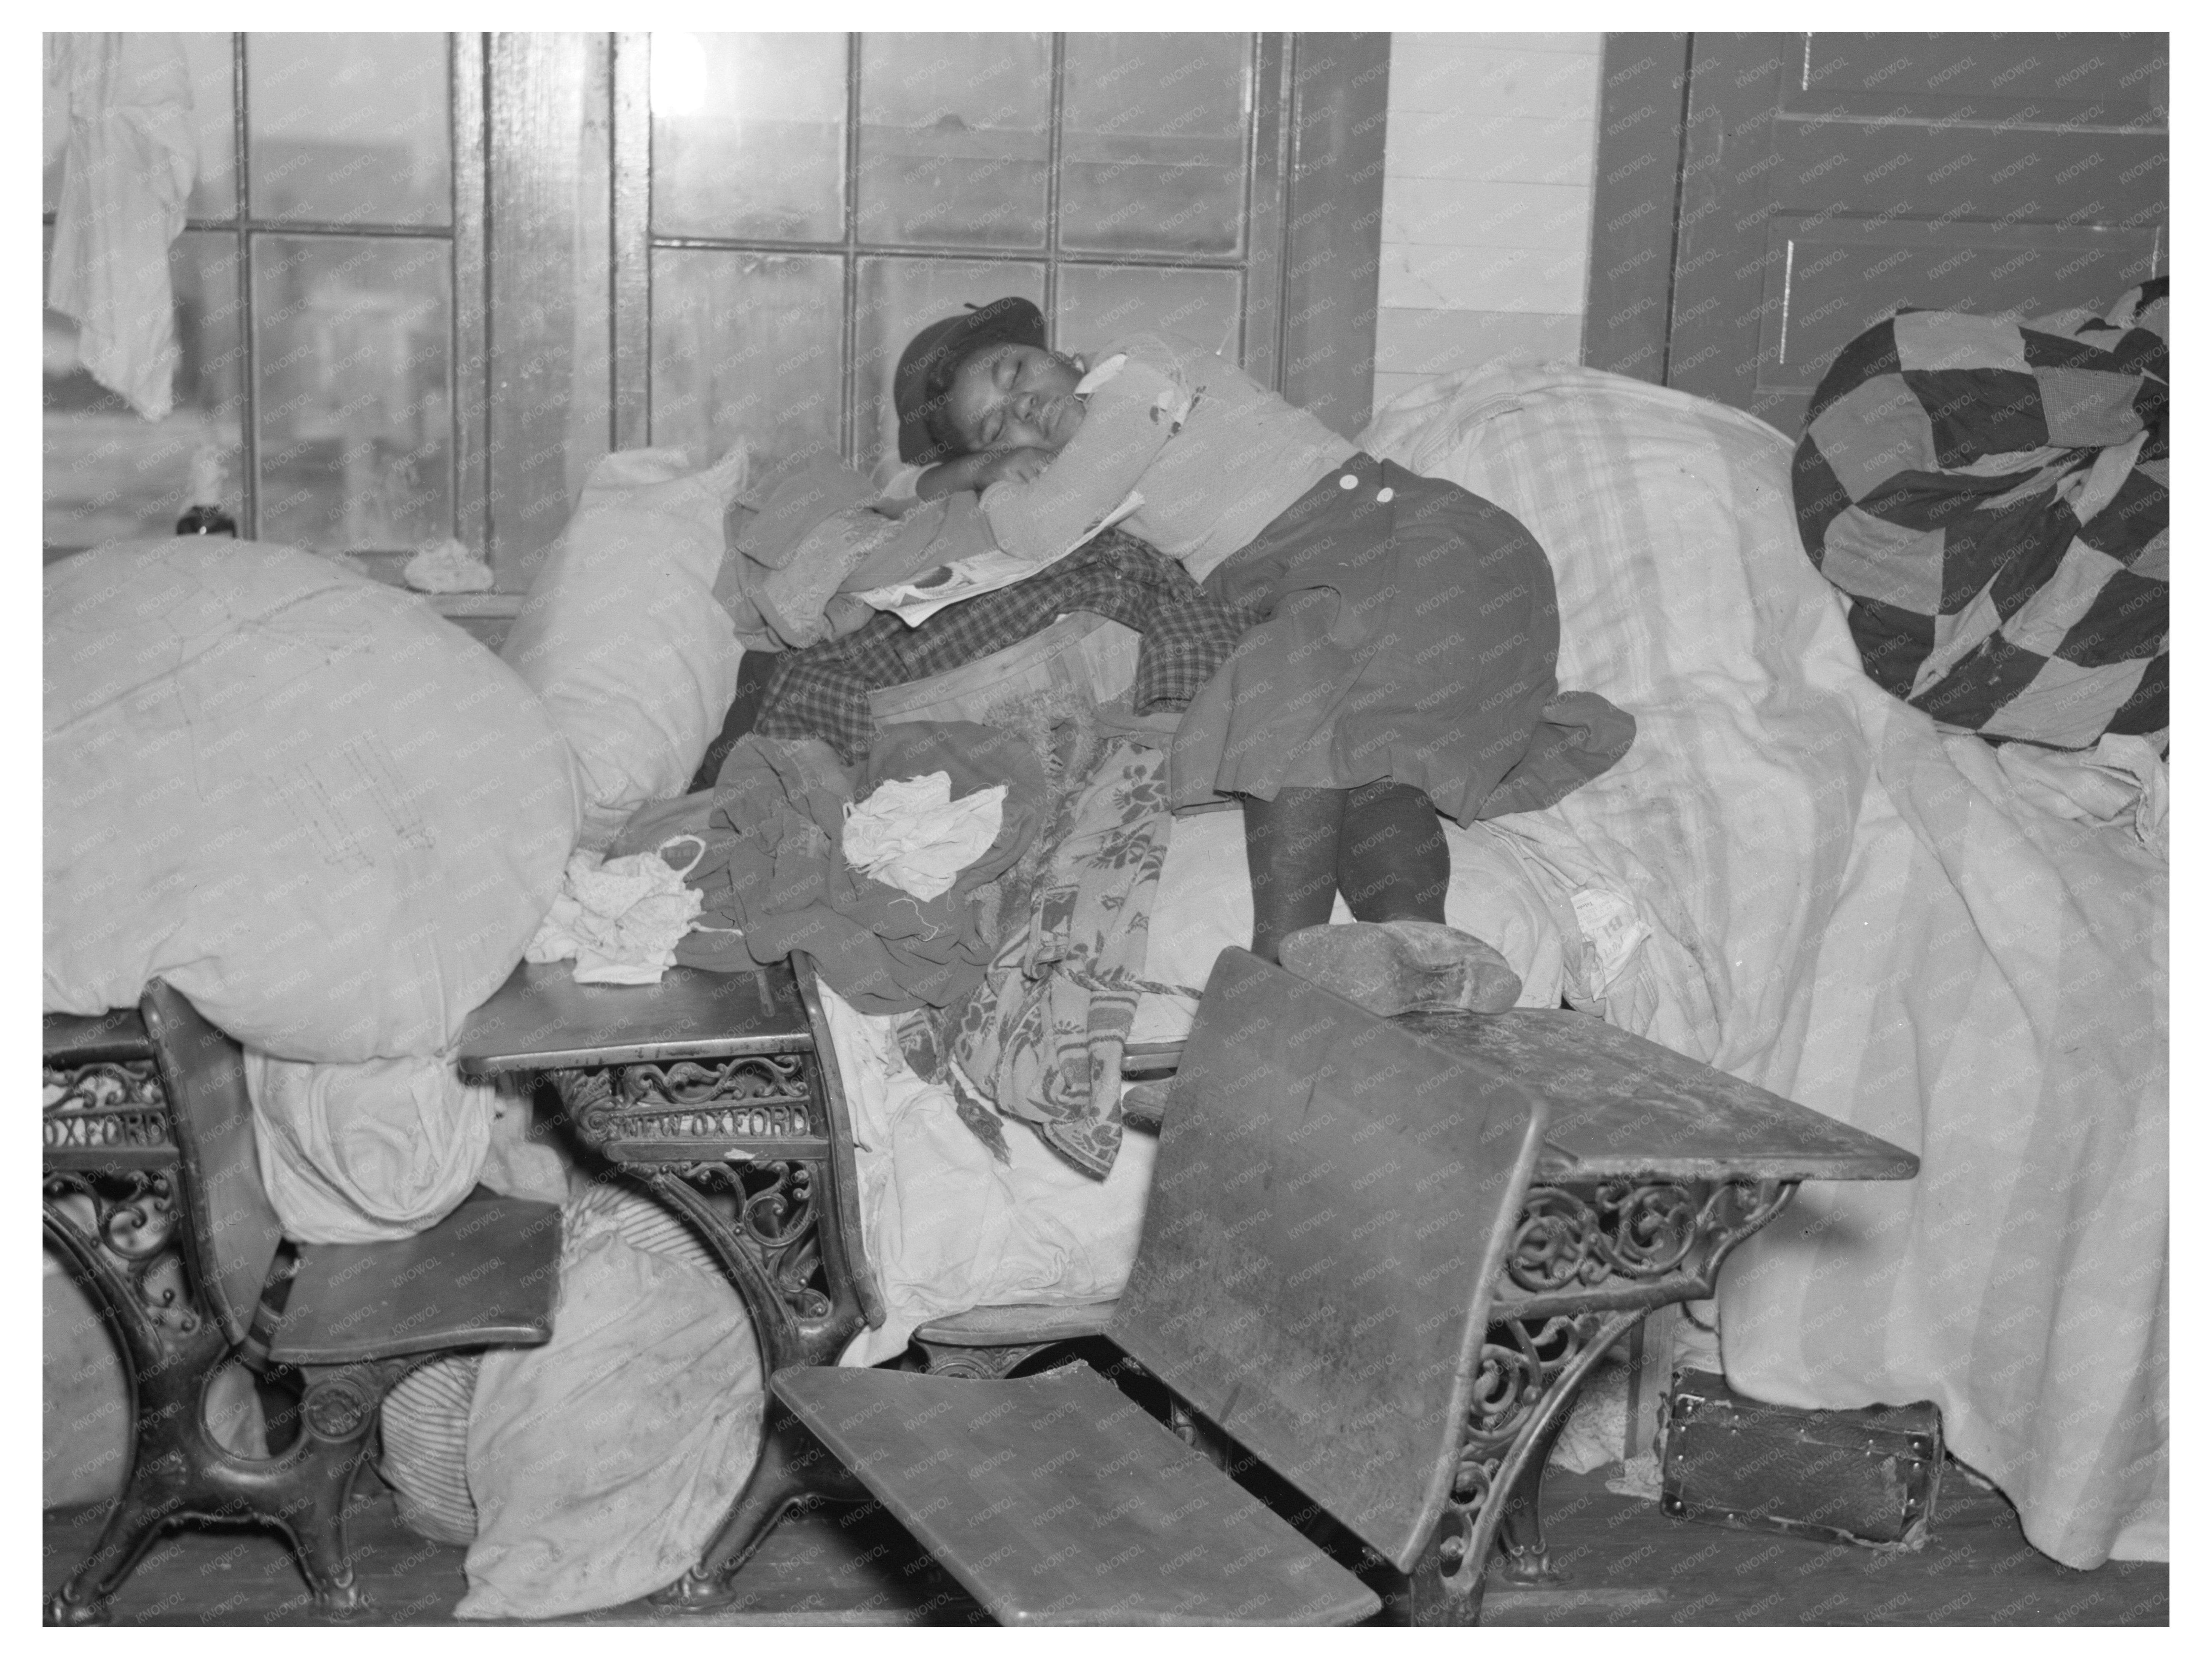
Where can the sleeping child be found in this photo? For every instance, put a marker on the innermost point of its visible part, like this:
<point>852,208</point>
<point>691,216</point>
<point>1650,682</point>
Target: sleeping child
<point>1400,656</point>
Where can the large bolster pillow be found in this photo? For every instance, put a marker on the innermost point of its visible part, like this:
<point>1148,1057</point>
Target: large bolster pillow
<point>321,811</point>
<point>622,635</point>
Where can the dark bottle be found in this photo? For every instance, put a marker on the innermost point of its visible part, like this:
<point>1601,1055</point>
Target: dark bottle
<point>205,517</point>
<point>207,520</point>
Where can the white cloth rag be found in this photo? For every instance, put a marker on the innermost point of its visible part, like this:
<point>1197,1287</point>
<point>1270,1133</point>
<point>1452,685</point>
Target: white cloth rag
<point>126,172</point>
<point>447,567</point>
<point>910,834</point>
<point>620,918</point>
<point>365,1151</point>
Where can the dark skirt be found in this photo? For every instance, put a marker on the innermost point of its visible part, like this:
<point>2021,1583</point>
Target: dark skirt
<point>1404,628</point>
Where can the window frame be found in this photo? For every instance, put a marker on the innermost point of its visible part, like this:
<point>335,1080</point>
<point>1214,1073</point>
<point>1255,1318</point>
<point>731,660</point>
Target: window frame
<point>1310,323</point>
<point>467,69</point>
<point>1266,163</point>
<point>552,247</point>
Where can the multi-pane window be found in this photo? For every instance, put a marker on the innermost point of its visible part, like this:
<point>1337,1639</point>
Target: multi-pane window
<point>814,199</point>
<point>315,311</point>
<point>426,281</point>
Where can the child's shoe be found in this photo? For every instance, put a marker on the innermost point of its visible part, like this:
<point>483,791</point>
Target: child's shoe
<point>1404,967</point>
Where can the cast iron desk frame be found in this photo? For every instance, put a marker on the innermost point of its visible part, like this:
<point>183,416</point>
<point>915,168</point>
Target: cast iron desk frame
<point>133,1207</point>
<point>718,1093</point>
<point>721,1093</point>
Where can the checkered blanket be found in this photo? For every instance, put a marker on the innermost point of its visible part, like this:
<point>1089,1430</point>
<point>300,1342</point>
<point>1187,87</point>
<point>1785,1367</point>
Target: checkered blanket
<point>1993,499</point>
<point>823,691</point>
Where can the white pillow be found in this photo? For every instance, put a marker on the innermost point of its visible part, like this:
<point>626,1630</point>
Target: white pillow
<point>623,637</point>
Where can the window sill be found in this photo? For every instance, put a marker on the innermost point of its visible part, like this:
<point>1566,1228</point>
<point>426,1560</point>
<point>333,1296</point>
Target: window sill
<point>385,567</point>
<point>508,605</point>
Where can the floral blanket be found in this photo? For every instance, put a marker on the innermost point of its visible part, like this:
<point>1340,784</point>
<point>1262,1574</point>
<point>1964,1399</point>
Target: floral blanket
<point>1041,1038</point>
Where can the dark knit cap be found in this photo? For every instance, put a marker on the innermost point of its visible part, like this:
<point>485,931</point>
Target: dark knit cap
<point>926,366</point>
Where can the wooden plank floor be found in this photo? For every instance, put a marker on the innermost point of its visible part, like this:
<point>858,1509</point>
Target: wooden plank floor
<point>1628,1565</point>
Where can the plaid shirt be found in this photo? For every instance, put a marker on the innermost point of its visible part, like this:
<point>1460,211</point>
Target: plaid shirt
<point>821,691</point>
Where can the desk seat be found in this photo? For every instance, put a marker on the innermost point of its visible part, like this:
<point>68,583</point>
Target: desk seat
<point>1141,1530</point>
<point>480,1278</point>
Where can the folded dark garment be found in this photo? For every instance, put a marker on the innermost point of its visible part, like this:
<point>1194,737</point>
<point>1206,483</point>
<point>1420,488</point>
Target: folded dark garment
<point>775,878</point>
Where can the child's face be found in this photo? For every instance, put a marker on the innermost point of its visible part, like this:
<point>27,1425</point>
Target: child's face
<point>1014,397</point>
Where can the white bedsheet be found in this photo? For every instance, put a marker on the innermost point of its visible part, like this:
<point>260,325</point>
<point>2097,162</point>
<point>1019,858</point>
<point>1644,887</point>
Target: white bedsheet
<point>1871,918</point>
<point>949,1228</point>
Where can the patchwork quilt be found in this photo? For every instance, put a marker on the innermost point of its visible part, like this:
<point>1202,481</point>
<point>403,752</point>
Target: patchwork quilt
<point>1992,498</point>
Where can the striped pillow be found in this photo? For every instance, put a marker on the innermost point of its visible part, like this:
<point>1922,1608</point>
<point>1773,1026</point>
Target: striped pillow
<point>425,1452</point>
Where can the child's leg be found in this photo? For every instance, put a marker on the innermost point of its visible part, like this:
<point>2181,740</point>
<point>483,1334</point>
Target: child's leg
<point>1291,848</point>
<point>1400,956</point>
<point>1393,862</point>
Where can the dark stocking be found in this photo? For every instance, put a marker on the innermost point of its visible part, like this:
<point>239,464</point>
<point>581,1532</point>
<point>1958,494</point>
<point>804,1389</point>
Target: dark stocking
<point>1291,848</point>
<point>1393,862</point>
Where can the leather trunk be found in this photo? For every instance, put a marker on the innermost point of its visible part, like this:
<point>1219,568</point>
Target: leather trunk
<point>1857,1477</point>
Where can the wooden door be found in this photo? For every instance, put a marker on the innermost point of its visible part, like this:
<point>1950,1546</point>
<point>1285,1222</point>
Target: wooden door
<point>1827,180</point>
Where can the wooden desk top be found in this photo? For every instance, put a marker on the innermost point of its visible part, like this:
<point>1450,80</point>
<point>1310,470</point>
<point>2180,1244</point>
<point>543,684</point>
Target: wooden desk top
<point>1620,1105</point>
<point>541,1020</point>
<point>1623,1105</point>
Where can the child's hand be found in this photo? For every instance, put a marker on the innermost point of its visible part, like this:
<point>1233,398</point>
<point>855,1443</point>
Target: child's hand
<point>1011,466</point>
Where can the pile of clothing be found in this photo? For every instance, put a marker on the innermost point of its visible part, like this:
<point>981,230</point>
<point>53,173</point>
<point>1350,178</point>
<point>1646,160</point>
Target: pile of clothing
<point>778,873</point>
<point>991,884</point>
<point>817,542</point>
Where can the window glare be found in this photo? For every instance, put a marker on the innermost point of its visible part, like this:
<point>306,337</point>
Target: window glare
<point>952,176</point>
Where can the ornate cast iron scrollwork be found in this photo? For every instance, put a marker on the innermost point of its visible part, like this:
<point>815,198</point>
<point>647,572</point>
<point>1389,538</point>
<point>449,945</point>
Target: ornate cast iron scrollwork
<point>1530,1373</point>
<point>745,1097</point>
<point>1638,1230</point>
<point>1642,1230</point>
<point>1634,1233</point>
<point>777,1213</point>
<point>108,1106</point>
<point>1510,1386</point>
<point>1668,1239</point>
<point>130,1216</point>
<point>768,1207</point>
<point>1755,1203</point>
<point>109,1183</point>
